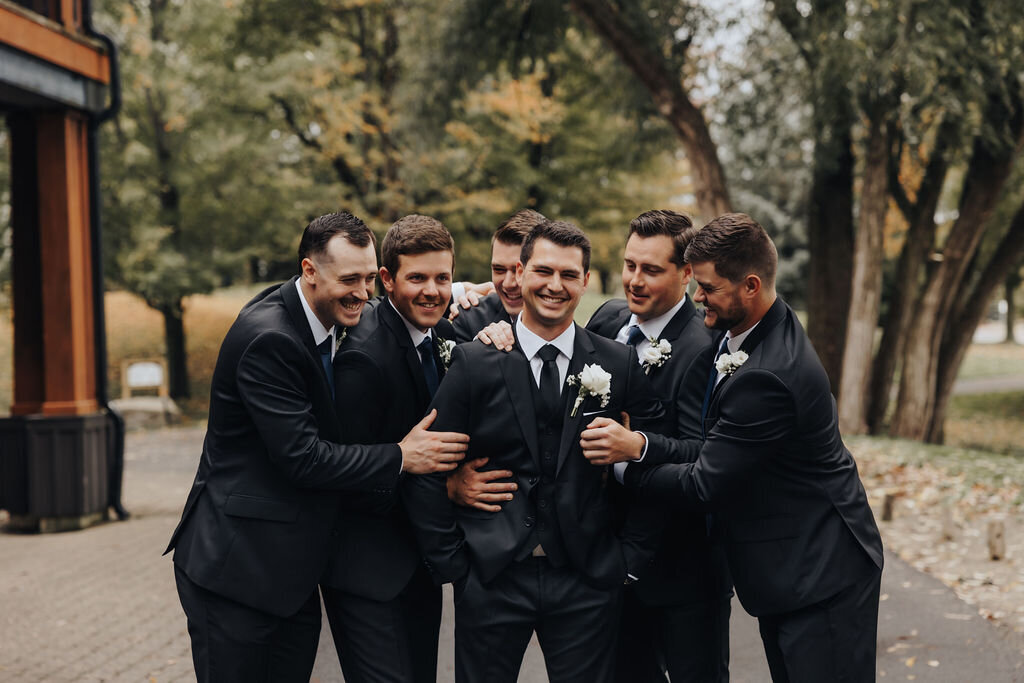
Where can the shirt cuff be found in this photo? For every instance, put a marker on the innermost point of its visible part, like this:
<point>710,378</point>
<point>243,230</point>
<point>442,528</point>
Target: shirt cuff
<point>619,468</point>
<point>458,289</point>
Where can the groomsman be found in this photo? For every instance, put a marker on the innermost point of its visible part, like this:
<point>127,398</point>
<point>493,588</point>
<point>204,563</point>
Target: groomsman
<point>507,300</point>
<point>383,607</point>
<point>254,536</point>
<point>548,560</point>
<point>677,616</point>
<point>801,542</point>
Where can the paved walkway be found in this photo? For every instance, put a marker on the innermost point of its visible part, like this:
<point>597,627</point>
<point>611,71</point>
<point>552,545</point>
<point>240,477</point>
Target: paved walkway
<point>100,604</point>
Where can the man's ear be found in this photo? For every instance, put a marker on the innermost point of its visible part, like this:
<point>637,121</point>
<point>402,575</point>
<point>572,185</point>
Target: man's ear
<point>520,269</point>
<point>687,273</point>
<point>751,286</point>
<point>308,270</point>
<point>387,280</point>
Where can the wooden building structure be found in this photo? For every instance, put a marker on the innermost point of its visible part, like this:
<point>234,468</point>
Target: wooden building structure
<point>60,450</point>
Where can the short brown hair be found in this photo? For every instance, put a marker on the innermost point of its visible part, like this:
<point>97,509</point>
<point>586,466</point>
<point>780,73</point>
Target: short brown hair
<point>414,234</point>
<point>514,229</point>
<point>677,226</point>
<point>562,233</point>
<point>320,231</point>
<point>737,245</point>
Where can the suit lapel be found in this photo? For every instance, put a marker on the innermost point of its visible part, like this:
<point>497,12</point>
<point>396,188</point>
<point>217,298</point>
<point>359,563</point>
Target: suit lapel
<point>582,354</point>
<point>297,313</point>
<point>390,318</point>
<point>517,373</point>
<point>679,321</point>
<point>767,323</point>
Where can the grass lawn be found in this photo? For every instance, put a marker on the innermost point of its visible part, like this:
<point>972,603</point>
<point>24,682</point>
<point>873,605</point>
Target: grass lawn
<point>990,422</point>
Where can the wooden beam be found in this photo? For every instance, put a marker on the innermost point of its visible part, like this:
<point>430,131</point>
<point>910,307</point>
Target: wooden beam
<point>50,42</point>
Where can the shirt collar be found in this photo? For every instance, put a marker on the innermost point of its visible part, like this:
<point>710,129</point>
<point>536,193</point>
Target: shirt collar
<point>653,328</point>
<point>415,334</point>
<point>530,343</point>
<point>734,343</point>
<point>315,326</point>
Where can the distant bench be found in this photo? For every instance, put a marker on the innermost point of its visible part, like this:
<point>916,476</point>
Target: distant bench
<point>144,373</point>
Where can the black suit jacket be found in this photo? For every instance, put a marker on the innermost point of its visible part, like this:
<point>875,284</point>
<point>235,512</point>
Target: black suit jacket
<point>257,522</point>
<point>787,498</point>
<point>487,394</point>
<point>384,396</point>
<point>686,568</point>
<point>472,320</point>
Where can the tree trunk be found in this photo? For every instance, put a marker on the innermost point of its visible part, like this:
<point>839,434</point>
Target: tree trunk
<point>916,247</point>
<point>983,181</point>
<point>964,320</point>
<point>671,99</point>
<point>830,243</point>
<point>866,286</point>
<point>1011,284</point>
<point>177,358</point>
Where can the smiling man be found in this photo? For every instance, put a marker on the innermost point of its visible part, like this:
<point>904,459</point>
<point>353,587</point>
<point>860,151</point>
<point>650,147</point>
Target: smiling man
<point>383,608</point>
<point>507,300</point>
<point>548,560</point>
<point>255,534</point>
<point>677,617</point>
<point>787,502</point>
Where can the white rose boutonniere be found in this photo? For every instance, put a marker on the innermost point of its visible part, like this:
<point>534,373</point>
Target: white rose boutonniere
<point>444,349</point>
<point>656,354</point>
<point>594,381</point>
<point>729,363</point>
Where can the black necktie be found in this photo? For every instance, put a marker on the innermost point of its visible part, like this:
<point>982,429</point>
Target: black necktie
<point>325,361</point>
<point>712,381</point>
<point>549,384</point>
<point>426,349</point>
<point>635,335</point>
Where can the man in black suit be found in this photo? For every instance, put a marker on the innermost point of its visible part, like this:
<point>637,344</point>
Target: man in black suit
<point>507,300</point>
<point>801,541</point>
<point>549,560</point>
<point>383,606</point>
<point>254,536</point>
<point>677,616</point>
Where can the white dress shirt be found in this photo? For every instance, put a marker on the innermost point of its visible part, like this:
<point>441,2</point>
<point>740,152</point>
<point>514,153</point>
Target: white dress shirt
<point>652,328</point>
<point>315,326</point>
<point>530,343</point>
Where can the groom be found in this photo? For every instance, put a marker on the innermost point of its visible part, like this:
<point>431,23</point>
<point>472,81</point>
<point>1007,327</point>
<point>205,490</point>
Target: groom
<point>786,499</point>
<point>549,560</point>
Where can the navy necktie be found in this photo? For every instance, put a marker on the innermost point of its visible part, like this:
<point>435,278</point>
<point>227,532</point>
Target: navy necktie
<point>426,349</point>
<point>635,336</point>
<point>712,381</point>
<point>549,389</point>
<point>325,361</point>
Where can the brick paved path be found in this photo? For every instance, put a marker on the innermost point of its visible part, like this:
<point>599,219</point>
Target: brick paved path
<point>100,604</point>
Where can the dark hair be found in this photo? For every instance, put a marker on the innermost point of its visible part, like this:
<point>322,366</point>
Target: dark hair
<point>677,226</point>
<point>514,229</point>
<point>737,245</point>
<point>320,231</point>
<point>414,234</point>
<point>562,233</point>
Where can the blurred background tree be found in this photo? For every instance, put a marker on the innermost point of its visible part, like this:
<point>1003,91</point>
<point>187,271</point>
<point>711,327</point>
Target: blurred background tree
<point>877,140</point>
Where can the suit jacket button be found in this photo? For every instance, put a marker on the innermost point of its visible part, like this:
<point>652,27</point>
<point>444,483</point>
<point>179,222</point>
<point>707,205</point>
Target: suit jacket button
<point>533,480</point>
<point>528,521</point>
<point>542,503</point>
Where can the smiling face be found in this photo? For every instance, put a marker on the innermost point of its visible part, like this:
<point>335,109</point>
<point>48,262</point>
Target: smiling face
<point>338,282</point>
<point>504,258</point>
<point>552,282</point>
<point>652,283</point>
<point>422,286</point>
<point>724,304</point>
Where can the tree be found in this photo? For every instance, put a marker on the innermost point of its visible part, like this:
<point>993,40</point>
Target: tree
<point>192,198</point>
